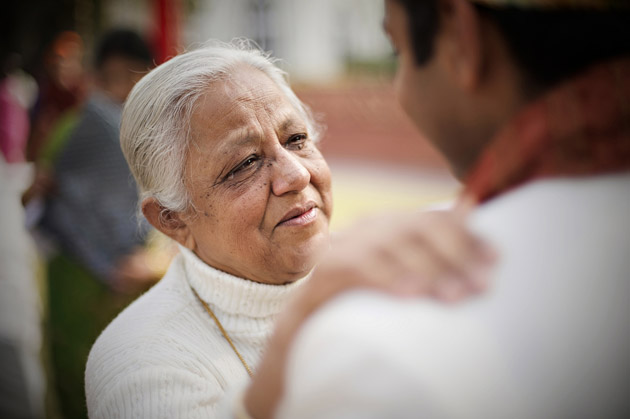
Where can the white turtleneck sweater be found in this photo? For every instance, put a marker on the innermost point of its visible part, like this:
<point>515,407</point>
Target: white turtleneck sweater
<point>164,356</point>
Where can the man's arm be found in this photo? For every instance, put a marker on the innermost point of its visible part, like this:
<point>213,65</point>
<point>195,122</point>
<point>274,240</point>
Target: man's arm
<point>430,254</point>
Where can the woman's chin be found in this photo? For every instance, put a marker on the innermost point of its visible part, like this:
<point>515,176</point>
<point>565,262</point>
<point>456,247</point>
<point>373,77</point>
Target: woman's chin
<point>295,272</point>
<point>301,265</point>
<point>290,261</point>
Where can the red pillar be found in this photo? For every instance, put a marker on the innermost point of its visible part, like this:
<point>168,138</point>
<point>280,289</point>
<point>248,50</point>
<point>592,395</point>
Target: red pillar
<point>166,36</point>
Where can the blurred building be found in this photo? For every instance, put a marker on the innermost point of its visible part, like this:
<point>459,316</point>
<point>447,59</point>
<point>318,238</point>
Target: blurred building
<point>317,40</point>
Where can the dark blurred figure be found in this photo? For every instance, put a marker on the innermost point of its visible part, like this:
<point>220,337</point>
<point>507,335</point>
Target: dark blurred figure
<point>62,89</point>
<point>61,92</point>
<point>90,215</point>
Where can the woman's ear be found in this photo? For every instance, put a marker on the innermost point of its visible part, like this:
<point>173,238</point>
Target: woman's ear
<point>168,222</point>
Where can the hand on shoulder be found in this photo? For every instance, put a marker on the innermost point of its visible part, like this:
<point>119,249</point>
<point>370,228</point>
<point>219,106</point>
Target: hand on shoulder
<point>429,254</point>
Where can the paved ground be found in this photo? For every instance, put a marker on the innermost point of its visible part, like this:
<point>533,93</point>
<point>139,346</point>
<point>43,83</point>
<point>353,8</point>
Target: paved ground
<point>379,160</point>
<point>362,189</point>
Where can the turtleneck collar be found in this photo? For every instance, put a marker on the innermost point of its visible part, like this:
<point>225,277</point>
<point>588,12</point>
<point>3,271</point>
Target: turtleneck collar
<point>234,295</point>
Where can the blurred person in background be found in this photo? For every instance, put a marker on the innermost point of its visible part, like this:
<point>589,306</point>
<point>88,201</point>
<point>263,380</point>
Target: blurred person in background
<point>91,212</point>
<point>90,215</point>
<point>529,101</point>
<point>62,90</point>
<point>22,377</point>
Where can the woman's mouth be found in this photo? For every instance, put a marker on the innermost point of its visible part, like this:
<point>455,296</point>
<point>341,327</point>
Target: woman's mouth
<point>299,217</point>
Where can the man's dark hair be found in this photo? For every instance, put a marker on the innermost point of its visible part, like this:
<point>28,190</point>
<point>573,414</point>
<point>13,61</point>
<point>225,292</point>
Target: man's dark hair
<point>123,43</point>
<point>548,46</point>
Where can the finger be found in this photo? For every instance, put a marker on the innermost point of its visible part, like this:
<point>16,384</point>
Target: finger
<point>464,206</point>
<point>460,250</point>
<point>436,246</point>
<point>450,290</point>
<point>421,267</point>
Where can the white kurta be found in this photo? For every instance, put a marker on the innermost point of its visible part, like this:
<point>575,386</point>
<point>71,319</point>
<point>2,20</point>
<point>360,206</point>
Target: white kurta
<point>164,357</point>
<point>551,338</point>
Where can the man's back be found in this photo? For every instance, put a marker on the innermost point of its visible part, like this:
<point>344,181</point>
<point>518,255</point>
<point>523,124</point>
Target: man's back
<point>549,340</point>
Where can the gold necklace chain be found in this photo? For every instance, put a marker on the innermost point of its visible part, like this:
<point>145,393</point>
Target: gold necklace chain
<point>225,335</point>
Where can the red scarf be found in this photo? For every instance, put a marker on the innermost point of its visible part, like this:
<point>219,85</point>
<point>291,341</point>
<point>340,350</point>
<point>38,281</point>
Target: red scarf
<point>580,128</point>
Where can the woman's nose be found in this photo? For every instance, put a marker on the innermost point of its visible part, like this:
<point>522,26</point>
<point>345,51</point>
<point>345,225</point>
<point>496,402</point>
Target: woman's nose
<point>289,174</point>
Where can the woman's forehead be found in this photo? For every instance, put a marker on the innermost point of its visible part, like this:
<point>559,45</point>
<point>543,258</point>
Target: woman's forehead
<point>246,83</point>
<point>246,99</point>
<point>244,91</point>
<point>227,116</point>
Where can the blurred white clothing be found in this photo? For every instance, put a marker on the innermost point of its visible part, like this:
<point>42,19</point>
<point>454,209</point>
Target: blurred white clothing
<point>22,382</point>
<point>550,338</point>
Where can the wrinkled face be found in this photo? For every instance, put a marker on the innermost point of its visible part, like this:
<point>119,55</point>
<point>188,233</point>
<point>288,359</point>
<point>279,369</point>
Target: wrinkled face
<point>260,189</point>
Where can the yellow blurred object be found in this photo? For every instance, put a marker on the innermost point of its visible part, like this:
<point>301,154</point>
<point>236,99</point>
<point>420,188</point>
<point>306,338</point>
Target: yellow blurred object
<point>362,191</point>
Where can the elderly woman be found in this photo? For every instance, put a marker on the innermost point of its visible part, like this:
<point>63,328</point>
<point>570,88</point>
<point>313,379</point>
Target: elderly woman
<point>225,158</point>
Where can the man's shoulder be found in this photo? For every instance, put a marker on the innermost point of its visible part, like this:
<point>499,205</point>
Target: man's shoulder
<point>556,203</point>
<point>372,355</point>
<point>565,229</point>
<point>554,313</point>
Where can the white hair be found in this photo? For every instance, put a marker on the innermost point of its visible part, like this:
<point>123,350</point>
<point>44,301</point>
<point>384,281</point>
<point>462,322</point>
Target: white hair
<point>155,128</point>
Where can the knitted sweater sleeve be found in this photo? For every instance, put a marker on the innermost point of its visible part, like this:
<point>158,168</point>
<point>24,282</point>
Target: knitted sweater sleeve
<point>158,392</point>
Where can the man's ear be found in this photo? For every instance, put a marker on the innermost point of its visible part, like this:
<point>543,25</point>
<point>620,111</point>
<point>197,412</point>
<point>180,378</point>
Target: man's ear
<point>464,57</point>
<point>168,222</point>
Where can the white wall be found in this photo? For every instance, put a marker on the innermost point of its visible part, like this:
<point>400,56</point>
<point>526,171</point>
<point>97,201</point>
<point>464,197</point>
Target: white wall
<point>313,37</point>
<point>135,14</point>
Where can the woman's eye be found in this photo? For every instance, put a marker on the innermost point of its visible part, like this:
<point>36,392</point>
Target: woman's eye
<point>297,141</point>
<point>249,162</point>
